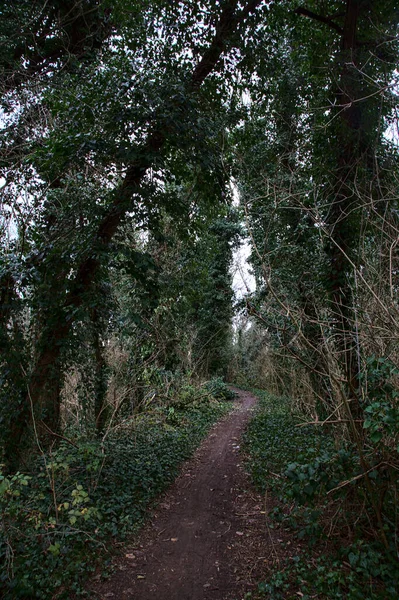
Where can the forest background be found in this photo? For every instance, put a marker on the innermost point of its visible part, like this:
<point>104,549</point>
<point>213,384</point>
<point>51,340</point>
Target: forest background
<point>128,129</point>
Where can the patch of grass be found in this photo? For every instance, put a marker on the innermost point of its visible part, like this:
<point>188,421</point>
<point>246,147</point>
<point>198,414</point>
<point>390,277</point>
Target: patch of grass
<point>60,519</point>
<point>305,472</point>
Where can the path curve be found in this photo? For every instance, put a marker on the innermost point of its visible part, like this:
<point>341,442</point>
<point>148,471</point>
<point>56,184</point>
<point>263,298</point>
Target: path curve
<point>185,553</point>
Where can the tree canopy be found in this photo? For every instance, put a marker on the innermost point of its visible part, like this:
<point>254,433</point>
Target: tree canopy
<point>141,141</point>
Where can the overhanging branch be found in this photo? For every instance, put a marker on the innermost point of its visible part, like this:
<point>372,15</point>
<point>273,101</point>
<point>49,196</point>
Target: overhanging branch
<point>304,12</point>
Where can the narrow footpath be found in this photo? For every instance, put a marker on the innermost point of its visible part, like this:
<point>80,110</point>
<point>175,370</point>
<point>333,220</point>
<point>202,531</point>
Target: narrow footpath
<point>208,534</point>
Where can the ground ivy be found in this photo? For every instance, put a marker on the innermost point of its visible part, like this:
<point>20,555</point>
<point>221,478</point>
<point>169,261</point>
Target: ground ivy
<point>299,465</point>
<point>62,518</point>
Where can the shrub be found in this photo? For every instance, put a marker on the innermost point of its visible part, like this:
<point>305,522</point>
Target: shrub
<point>324,489</point>
<point>219,389</point>
<point>59,520</point>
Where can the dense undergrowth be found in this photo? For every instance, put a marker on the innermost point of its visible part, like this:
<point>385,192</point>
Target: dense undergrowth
<point>321,497</point>
<point>61,518</point>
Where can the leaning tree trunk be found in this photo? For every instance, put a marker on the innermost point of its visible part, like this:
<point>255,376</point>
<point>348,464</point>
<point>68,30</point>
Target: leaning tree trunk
<point>39,409</point>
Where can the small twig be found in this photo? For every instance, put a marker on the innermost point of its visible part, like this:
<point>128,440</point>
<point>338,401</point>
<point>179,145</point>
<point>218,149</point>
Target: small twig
<point>356,478</point>
<point>329,422</point>
<point>227,530</point>
<point>58,435</point>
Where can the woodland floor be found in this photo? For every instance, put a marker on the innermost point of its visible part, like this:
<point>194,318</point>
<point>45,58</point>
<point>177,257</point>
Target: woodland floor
<point>209,536</point>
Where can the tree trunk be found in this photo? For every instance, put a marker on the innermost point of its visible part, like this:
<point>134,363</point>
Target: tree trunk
<point>352,151</point>
<point>100,382</point>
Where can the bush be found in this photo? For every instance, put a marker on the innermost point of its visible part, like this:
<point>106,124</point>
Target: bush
<point>306,472</point>
<point>60,519</point>
<point>219,389</point>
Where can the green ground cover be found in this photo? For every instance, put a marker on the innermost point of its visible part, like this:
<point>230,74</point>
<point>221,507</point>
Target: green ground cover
<point>305,470</point>
<point>60,520</point>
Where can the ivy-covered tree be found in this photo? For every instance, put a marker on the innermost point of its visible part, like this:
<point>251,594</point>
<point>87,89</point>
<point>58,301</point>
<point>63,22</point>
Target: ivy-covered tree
<point>101,105</point>
<point>316,175</point>
<point>320,209</point>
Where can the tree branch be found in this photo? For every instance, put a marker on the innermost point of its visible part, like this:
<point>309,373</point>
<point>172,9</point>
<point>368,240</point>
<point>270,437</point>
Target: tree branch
<point>228,22</point>
<point>311,15</point>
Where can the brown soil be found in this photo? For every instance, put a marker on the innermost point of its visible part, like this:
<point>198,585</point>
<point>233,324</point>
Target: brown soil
<point>209,537</point>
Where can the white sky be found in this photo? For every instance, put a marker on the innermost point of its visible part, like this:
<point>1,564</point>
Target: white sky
<point>243,281</point>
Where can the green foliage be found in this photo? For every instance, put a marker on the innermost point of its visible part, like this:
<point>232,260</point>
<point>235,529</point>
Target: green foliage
<point>105,139</point>
<point>273,439</point>
<point>357,571</point>
<point>59,521</point>
<point>309,475</point>
<point>219,389</point>
<point>381,405</point>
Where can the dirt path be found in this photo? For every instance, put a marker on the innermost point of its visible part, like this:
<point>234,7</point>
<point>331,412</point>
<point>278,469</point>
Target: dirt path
<point>195,546</point>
